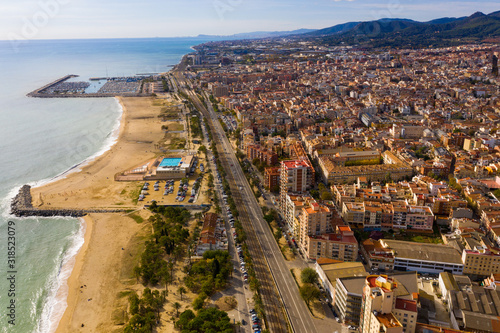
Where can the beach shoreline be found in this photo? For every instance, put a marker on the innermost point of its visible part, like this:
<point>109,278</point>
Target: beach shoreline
<point>98,272</point>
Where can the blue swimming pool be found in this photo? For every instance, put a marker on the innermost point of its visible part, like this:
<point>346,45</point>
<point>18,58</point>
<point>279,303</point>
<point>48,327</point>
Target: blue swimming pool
<point>166,162</point>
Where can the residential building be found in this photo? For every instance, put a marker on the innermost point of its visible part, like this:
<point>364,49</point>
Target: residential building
<point>382,216</point>
<point>330,270</point>
<point>291,212</point>
<point>481,262</point>
<point>272,178</point>
<point>297,177</point>
<point>341,245</point>
<point>262,154</point>
<point>378,307</point>
<point>349,293</point>
<point>212,235</point>
<point>377,255</point>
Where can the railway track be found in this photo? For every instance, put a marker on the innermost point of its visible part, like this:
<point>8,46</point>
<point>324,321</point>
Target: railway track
<point>275,318</point>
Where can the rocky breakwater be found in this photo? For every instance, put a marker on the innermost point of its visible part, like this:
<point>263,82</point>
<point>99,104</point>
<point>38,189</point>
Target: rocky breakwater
<point>22,206</point>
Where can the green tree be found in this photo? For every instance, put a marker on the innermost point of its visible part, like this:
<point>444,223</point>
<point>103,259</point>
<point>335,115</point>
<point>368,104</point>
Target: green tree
<point>325,195</point>
<point>309,293</point>
<point>181,291</point>
<point>199,301</point>
<point>209,320</point>
<point>185,318</point>
<point>177,306</point>
<point>278,234</point>
<point>309,276</point>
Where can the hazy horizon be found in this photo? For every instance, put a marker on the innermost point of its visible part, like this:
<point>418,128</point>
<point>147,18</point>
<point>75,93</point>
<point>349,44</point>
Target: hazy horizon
<point>91,19</point>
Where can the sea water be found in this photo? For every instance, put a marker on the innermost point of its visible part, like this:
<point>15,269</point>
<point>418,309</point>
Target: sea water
<point>43,139</point>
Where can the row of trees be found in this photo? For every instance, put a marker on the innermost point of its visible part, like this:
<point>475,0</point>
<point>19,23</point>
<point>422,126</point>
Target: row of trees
<point>208,275</point>
<point>169,239</point>
<point>196,126</point>
<point>145,311</point>
<point>308,290</point>
<point>206,320</point>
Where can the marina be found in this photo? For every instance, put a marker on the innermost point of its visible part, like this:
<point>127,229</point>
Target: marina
<point>130,86</point>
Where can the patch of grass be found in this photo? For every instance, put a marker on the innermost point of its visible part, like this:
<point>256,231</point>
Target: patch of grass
<point>123,192</point>
<point>120,316</point>
<point>134,194</point>
<point>175,127</point>
<point>124,293</point>
<point>426,239</point>
<point>136,218</point>
<point>119,204</point>
<point>177,143</point>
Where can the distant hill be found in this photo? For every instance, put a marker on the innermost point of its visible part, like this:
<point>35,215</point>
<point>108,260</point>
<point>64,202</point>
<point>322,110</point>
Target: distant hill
<point>337,29</point>
<point>408,33</point>
<point>260,34</point>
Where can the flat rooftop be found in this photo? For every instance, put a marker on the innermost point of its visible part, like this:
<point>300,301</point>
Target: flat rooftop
<point>424,251</point>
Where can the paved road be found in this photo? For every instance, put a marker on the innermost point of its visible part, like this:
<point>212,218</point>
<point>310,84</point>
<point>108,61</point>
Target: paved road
<point>295,307</point>
<point>241,292</point>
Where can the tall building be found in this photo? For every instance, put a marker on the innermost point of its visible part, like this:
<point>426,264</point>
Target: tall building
<point>382,310</point>
<point>291,211</point>
<point>272,178</point>
<point>297,177</point>
<point>349,295</point>
<point>494,63</point>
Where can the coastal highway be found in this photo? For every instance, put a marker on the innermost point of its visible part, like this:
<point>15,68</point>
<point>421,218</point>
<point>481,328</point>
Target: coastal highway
<point>285,309</point>
<point>260,236</point>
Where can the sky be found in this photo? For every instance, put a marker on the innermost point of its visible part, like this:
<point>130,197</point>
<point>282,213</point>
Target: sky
<point>68,19</point>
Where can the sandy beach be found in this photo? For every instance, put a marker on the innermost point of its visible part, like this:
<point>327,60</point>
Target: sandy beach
<point>94,185</point>
<point>102,268</point>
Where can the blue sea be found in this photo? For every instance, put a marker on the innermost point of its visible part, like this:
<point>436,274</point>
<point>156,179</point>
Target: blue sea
<point>43,139</point>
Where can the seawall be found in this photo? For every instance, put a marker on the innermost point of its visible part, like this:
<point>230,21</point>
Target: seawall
<point>22,206</point>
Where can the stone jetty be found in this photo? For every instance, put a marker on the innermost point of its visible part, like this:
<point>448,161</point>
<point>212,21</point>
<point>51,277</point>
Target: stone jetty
<point>22,206</point>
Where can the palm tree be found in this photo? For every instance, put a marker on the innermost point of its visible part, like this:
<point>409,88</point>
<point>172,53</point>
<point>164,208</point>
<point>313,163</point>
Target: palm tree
<point>177,306</point>
<point>181,291</point>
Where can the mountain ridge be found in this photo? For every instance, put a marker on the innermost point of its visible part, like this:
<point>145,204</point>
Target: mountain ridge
<point>405,32</point>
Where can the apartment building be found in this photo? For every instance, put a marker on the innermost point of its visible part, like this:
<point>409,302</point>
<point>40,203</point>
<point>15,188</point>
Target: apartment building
<point>262,154</point>
<point>381,216</point>
<point>297,177</point>
<point>381,306</point>
<point>341,245</point>
<point>377,255</point>
<point>349,295</point>
<point>480,262</point>
<point>272,178</point>
<point>291,212</point>
<point>315,220</point>
<point>335,174</point>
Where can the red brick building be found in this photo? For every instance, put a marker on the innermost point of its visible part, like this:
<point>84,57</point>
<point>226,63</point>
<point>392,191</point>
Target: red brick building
<point>272,178</point>
<point>264,155</point>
